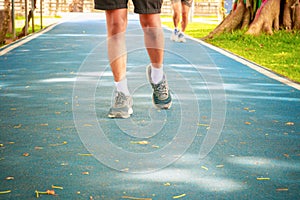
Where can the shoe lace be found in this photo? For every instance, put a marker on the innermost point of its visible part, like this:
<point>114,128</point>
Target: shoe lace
<point>161,89</point>
<point>120,98</point>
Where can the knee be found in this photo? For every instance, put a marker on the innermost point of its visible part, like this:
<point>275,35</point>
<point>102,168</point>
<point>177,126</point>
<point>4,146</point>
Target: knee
<point>116,26</point>
<point>185,15</point>
<point>176,15</point>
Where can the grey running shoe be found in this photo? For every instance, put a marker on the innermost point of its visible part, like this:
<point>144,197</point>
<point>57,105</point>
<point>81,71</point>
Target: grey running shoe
<point>122,107</point>
<point>181,37</point>
<point>174,35</point>
<point>161,95</point>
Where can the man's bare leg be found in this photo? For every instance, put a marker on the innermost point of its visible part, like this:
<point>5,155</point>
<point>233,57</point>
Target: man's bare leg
<point>153,37</point>
<point>176,13</point>
<point>185,16</point>
<point>116,22</point>
<point>154,42</point>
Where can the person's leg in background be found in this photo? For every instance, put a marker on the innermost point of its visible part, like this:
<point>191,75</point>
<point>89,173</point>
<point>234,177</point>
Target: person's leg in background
<point>181,11</point>
<point>176,7</point>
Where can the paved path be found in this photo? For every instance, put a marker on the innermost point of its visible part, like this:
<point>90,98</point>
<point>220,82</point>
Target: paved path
<point>232,132</point>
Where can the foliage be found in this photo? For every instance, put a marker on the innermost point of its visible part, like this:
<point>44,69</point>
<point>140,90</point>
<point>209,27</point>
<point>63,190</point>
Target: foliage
<point>279,53</point>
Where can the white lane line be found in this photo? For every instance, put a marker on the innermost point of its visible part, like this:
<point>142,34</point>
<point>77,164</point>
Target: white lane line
<point>250,64</point>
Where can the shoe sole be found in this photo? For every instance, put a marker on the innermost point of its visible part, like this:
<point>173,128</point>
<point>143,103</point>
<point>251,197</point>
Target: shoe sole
<point>173,38</point>
<point>164,106</point>
<point>121,114</point>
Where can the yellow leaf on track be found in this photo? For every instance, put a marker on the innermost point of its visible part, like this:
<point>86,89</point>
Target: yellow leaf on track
<point>135,198</point>
<point>18,126</point>
<point>5,192</point>
<point>289,123</point>
<point>57,187</point>
<point>85,154</point>
<point>179,196</point>
<point>139,142</point>
<point>202,124</point>
<point>282,189</point>
<point>262,178</point>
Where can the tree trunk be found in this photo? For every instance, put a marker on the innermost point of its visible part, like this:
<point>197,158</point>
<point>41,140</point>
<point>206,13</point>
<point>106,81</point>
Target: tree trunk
<point>5,19</point>
<point>266,16</point>
<point>296,15</point>
<point>287,15</point>
<point>30,14</point>
<point>76,6</point>
<point>231,22</point>
<point>22,33</point>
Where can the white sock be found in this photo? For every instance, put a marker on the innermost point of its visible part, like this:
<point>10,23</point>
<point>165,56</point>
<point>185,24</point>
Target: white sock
<point>157,74</point>
<point>122,86</point>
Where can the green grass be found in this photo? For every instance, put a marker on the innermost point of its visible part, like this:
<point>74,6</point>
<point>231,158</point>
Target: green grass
<point>279,52</point>
<point>20,21</point>
<point>29,31</point>
<point>36,17</point>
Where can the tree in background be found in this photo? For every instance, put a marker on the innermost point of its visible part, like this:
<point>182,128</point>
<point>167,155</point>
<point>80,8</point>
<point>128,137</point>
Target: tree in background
<point>4,22</point>
<point>257,16</point>
<point>76,6</point>
<point>29,17</point>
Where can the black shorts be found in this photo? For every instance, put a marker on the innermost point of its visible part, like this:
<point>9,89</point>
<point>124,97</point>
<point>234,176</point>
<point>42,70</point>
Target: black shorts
<point>186,2</point>
<point>140,6</point>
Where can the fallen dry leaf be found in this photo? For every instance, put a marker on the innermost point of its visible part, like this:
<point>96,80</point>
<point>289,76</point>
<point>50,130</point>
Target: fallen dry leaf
<point>167,184</point>
<point>179,196</point>
<point>57,187</point>
<point>140,142</point>
<point>262,178</point>
<point>26,154</point>
<point>85,154</point>
<point>48,192</point>
<point>282,189</point>
<point>10,178</point>
<point>286,155</point>
<point>199,124</point>
<point>289,123</point>
<point>155,146</point>
<point>135,198</point>
<point>5,192</point>
<point>18,126</point>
